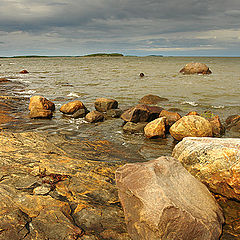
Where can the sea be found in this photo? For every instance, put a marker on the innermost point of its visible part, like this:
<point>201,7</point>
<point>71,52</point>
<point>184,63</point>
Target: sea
<point>64,79</point>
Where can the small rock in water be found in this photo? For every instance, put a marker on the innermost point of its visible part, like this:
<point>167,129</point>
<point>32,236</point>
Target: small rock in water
<point>81,113</point>
<point>199,68</point>
<point>104,104</point>
<point>152,99</point>
<point>40,102</point>
<point>94,117</point>
<point>131,127</point>
<point>24,71</point>
<point>114,113</point>
<point>72,107</point>
<point>141,75</point>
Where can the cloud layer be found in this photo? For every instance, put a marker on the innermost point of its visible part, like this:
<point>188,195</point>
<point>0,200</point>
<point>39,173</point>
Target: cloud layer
<point>141,27</point>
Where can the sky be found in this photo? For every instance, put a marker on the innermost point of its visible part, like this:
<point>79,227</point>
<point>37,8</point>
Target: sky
<point>130,27</point>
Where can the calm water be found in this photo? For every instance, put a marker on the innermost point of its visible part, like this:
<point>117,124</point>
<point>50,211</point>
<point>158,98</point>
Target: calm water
<point>66,79</point>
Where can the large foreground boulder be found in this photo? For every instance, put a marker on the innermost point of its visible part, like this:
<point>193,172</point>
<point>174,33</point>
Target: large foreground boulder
<point>161,200</point>
<point>214,161</point>
<point>191,126</point>
<point>192,68</point>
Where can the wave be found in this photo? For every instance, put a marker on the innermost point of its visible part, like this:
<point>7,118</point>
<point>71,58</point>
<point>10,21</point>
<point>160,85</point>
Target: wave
<point>194,104</point>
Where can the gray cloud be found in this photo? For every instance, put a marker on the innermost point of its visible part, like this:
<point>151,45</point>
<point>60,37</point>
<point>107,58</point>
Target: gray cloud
<point>121,25</point>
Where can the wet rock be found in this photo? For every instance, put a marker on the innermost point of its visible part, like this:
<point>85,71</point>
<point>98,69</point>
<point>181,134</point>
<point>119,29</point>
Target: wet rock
<point>131,127</point>
<point>199,68</point>
<point>81,113</point>
<point>72,107</point>
<point>161,200</point>
<point>104,104</point>
<point>4,80</point>
<point>174,109</point>
<point>217,127</point>
<point>40,113</point>
<point>141,113</point>
<point>39,102</point>
<point>193,113</point>
<point>214,161</point>
<point>156,128</point>
<point>191,126</point>
<point>171,117</point>
<point>141,75</point>
<point>231,120</point>
<point>114,113</point>
<point>152,99</point>
<point>24,71</point>
<point>94,117</point>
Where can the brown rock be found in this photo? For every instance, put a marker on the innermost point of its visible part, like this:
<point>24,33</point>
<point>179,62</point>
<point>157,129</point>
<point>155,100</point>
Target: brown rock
<point>3,80</point>
<point>94,117</point>
<point>104,104</point>
<point>40,113</point>
<point>40,102</point>
<point>80,113</point>
<point>156,128</point>
<point>214,161</point>
<point>24,71</point>
<point>217,127</point>
<point>191,126</point>
<point>152,99</point>
<point>199,68</point>
<point>131,127</point>
<point>171,117</point>
<point>193,113</point>
<point>232,119</point>
<point>161,200</point>
<point>72,107</point>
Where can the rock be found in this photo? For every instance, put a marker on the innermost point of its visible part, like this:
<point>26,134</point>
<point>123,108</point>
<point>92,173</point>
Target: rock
<point>161,200</point>
<point>104,104</point>
<point>81,113</point>
<point>114,113</point>
<point>199,68</point>
<point>42,190</point>
<point>24,71</point>
<point>156,128</point>
<point>192,113</point>
<point>141,113</point>
<point>141,75</point>
<point>72,107</point>
<point>217,127</point>
<point>131,127</point>
<point>214,161</point>
<point>3,80</point>
<point>94,117</point>
<point>40,113</point>
<point>231,120</point>
<point>191,126</point>
<point>41,103</point>
<point>152,99</point>
<point>171,117</point>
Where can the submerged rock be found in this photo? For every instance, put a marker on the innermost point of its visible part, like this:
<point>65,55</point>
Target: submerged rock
<point>131,127</point>
<point>152,99</point>
<point>3,80</point>
<point>81,113</point>
<point>104,104</point>
<point>199,68</point>
<point>94,117</point>
<point>72,107</point>
<point>191,126</point>
<point>161,200</point>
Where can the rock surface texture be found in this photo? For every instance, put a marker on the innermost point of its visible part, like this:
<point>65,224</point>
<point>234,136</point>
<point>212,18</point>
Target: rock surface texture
<point>192,68</point>
<point>104,104</point>
<point>72,107</point>
<point>156,128</point>
<point>161,200</point>
<point>191,126</point>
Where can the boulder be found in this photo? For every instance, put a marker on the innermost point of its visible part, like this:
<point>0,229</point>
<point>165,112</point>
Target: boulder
<point>141,113</point>
<point>171,117</point>
<point>40,113</point>
<point>104,104</point>
<point>193,113</point>
<point>214,161</point>
<point>72,107</point>
<point>161,200</point>
<point>114,113</point>
<point>39,102</point>
<point>81,113</point>
<point>152,99</point>
<point>94,117</point>
<point>131,127</point>
<point>199,68</point>
<point>156,128</point>
<point>231,120</point>
<point>217,127</point>
<point>191,126</point>
<point>24,71</point>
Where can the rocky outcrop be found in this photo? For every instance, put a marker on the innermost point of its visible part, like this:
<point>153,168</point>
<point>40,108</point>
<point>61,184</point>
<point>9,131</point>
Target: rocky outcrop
<point>152,99</point>
<point>156,128</point>
<point>72,107</point>
<point>94,117</point>
<point>131,127</point>
<point>193,68</point>
<point>104,104</point>
<point>171,117</point>
<point>161,200</point>
<point>191,126</point>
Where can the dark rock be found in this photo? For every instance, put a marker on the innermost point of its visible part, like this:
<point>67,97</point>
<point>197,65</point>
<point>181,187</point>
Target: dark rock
<point>114,113</point>
<point>104,104</point>
<point>81,113</point>
<point>232,119</point>
<point>161,200</point>
<point>199,68</point>
<point>152,99</point>
<point>24,71</point>
<point>131,127</point>
<point>141,75</point>
<point>72,107</point>
<point>3,80</point>
<point>94,117</point>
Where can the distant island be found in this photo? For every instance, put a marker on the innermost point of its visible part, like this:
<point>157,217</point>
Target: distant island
<point>105,55</point>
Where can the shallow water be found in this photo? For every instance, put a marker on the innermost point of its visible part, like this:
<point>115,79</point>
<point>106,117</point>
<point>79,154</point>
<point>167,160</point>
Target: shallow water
<point>64,79</point>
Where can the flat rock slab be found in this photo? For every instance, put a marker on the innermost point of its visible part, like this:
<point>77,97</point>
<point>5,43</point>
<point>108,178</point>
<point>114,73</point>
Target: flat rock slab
<point>161,200</point>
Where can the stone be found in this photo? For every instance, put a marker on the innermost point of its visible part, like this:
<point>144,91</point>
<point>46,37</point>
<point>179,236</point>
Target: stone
<point>114,113</point>
<point>72,107</point>
<point>171,117</point>
<point>24,71</point>
<point>192,113</point>
<point>217,127</point>
<point>161,200</point>
<point>104,104</point>
<point>191,126</point>
<point>195,68</point>
<point>94,117</point>
<point>232,119</point>
<point>214,161</point>
<point>152,99</point>
<point>39,102</point>
<point>81,113</point>
<point>156,128</point>
<point>141,75</point>
<point>4,80</point>
<point>141,113</point>
<point>40,113</point>
<point>42,190</point>
<point>131,127</point>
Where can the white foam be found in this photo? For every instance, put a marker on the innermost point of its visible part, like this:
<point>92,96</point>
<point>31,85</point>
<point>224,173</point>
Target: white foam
<point>190,103</point>
<point>221,106</point>
<point>72,94</point>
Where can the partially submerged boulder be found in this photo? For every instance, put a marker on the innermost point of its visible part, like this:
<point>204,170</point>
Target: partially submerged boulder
<point>192,68</point>
<point>40,113</point>
<point>72,107</point>
<point>104,104</point>
<point>191,126</point>
<point>161,200</point>
<point>94,117</point>
<point>131,127</point>
<point>156,128</point>
<point>24,71</point>
<point>152,99</point>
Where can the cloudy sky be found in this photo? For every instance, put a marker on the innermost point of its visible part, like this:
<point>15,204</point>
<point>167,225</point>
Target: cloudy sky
<point>131,27</point>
